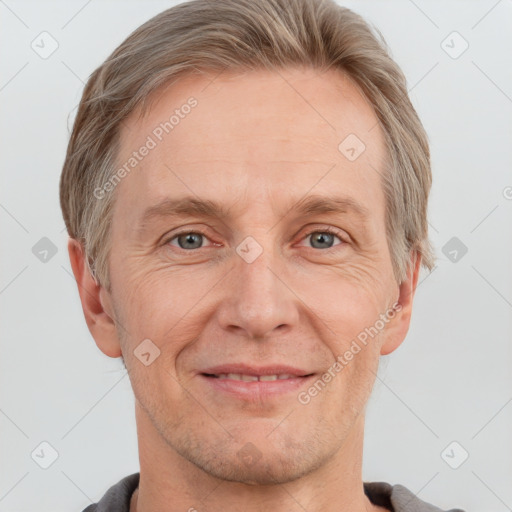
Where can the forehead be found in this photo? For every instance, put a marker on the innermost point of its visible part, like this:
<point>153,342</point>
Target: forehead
<point>257,135</point>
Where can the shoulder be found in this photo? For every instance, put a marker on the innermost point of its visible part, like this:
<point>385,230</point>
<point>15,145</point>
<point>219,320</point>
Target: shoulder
<point>117,497</point>
<point>398,498</point>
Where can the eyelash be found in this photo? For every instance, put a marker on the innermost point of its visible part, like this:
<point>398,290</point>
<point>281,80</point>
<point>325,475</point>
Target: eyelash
<point>329,230</point>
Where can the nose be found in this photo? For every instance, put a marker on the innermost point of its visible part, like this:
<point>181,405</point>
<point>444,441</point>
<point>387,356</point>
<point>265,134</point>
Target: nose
<point>257,299</point>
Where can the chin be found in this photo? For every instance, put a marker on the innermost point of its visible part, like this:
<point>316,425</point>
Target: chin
<point>254,458</point>
<point>272,471</point>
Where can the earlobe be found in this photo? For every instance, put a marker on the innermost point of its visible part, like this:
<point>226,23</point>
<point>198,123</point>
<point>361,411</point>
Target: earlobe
<point>399,325</point>
<point>96,303</point>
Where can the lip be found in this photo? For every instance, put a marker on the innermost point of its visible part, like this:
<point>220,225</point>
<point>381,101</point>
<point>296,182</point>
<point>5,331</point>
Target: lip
<point>256,391</point>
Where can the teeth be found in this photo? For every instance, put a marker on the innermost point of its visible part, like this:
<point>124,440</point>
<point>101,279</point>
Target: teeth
<point>268,377</point>
<point>245,378</point>
<point>252,378</point>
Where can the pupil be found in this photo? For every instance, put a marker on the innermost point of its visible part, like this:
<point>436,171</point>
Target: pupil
<point>190,238</point>
<point>322,238</point>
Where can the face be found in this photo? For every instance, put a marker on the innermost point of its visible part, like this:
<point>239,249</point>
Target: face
<point>281,277</point>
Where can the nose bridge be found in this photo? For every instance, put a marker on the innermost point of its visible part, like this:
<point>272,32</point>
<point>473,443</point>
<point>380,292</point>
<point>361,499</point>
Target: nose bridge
<point>258,301</point>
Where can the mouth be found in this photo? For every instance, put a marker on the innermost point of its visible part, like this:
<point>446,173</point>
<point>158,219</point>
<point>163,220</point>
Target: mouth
<point>255,385</point>
<point>253,378</point>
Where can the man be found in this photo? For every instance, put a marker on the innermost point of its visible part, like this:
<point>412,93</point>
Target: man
<point>245,191</point>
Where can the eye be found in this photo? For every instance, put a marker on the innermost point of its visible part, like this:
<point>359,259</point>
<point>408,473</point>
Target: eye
<point>319,238</point>
<point>324,238</point>
<point>188,240</point>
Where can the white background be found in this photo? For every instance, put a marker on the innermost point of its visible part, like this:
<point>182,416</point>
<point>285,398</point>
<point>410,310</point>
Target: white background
<point>449,381</point>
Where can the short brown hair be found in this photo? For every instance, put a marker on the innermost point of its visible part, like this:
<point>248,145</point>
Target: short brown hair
<point>245,35</point>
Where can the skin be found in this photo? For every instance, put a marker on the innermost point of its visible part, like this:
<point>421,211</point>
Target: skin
<point>257,142</point>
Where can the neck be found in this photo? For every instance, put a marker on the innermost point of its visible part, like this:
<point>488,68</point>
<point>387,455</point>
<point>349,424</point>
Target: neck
<point>169,483</point>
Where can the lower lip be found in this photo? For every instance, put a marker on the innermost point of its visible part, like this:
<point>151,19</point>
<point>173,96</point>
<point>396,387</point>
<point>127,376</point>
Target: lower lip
<point>257,390</point>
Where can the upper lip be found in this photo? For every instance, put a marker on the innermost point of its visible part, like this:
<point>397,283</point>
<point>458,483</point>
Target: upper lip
<point>246,369</point>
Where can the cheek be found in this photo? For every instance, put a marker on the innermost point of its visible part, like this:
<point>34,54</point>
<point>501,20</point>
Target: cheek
<point>151,293</point>
<point>165,305</point>
<point>348,295</point>
<point>346,303</point>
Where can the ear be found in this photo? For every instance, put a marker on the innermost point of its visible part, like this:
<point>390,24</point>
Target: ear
<point>398,326</point>
<point>96,303</point>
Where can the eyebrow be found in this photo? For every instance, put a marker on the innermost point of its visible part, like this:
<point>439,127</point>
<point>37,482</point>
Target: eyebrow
<point>192,206</point>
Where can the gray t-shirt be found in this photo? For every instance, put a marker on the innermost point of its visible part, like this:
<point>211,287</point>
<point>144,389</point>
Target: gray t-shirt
<point>396,498</point>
